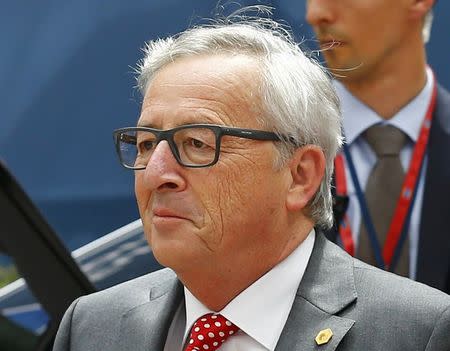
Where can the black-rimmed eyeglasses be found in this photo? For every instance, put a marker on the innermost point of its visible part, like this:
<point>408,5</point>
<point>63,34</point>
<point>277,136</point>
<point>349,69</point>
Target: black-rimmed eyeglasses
<point>193,145</point>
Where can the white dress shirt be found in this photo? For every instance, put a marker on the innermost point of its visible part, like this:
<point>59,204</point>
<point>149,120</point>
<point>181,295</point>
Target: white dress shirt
<point>357,118</point>
<point>260,311</point>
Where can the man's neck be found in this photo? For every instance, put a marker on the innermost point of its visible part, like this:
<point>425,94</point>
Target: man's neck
<point>387,89</point>
<point>216,284</point>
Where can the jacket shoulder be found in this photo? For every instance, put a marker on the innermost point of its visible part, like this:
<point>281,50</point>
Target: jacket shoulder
<point>398,313</point>
<point>130,293</point>
<point>94,321</point>
<point>394,289</point>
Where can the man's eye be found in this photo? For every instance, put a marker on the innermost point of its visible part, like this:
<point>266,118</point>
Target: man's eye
<point>146,145</point>
<point>196,143</point>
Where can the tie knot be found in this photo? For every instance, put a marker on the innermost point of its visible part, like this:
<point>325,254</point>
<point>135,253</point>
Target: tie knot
<point>385,140</point>
<point>209,332</point>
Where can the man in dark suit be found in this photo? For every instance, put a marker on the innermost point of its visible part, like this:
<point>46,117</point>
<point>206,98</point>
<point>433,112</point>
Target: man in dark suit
<point>376,50</point>
<point>233,156</point>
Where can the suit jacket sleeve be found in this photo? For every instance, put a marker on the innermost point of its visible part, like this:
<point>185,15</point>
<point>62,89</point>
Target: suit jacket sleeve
<point>439,339</point>
<point>62,341</point>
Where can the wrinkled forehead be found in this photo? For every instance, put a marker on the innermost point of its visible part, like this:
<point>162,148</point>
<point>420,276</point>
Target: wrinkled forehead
<point>204,89</point>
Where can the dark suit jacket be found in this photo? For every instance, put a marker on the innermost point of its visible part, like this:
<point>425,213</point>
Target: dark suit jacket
<point>433,261</point>
<point>366,309</point>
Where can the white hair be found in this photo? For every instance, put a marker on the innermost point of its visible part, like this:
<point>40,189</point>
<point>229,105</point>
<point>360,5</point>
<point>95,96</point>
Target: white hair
<point>297,95</point>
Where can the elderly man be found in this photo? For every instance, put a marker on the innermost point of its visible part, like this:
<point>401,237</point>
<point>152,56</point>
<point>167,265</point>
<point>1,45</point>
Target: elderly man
<point>233,154</point>
<point>396,170</point>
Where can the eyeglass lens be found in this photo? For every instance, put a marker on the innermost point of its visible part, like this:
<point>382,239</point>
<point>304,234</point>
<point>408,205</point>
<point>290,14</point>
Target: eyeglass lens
<point>194,146</point>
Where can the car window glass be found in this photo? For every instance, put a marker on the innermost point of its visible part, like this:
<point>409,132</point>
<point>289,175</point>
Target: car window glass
<point>22,318</point>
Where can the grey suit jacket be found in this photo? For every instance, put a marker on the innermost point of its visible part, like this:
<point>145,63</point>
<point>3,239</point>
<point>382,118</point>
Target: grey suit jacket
<point>366,309</point>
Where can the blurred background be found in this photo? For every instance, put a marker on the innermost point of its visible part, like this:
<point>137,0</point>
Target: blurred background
<point>66,81</point>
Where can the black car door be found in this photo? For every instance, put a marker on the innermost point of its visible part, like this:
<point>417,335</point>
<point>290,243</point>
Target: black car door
<point>41,259</point>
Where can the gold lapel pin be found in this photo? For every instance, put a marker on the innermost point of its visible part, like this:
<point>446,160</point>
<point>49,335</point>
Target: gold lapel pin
<point>324,336</point>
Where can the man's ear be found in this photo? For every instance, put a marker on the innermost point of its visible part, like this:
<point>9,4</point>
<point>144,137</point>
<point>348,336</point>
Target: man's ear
<point>307,167</point>
<point>419,8</point>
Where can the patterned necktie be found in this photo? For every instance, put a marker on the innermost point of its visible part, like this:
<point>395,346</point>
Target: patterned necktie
<point>383,190</point>
<point>209,332</point>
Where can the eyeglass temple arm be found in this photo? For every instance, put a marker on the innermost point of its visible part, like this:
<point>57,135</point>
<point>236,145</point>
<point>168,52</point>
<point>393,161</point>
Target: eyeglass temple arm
<point>251,134</point>
<point>260,135</point>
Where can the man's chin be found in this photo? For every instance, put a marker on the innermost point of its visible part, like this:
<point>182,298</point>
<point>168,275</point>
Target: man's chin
<point>175,255</point>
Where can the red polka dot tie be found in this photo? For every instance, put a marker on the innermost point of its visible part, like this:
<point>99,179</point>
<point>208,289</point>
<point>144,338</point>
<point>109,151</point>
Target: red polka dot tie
<point>209,332</point>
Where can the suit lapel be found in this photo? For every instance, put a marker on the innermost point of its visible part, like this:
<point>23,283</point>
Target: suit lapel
<point>327,288</point>
<point>145,326</point>
<point>433,259</point>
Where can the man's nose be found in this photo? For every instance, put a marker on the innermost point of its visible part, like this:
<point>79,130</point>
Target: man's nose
<point>163,171</point>
<point>319,12</point>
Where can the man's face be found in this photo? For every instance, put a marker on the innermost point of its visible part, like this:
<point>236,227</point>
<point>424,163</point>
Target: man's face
<point>226,213</point>
<point>367,33</point>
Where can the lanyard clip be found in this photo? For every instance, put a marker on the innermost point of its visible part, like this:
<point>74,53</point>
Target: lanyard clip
<point>340,205</point>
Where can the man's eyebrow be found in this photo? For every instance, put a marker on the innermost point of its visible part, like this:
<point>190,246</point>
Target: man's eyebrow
<point>182,122</point>
<point>146,125</point>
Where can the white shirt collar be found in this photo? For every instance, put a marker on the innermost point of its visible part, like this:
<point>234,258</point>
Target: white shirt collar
<point>358,116</point>
<point>267,302</point>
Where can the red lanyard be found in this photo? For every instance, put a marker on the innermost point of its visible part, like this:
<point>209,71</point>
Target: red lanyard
<point>406,197</point>
<point>345,230</point>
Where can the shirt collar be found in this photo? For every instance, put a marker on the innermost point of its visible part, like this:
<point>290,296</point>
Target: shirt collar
<point>358,116</point>
<point>265,314</point>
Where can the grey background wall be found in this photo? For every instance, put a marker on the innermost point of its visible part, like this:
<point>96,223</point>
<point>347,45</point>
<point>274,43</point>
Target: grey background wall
<point>66,83</point>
